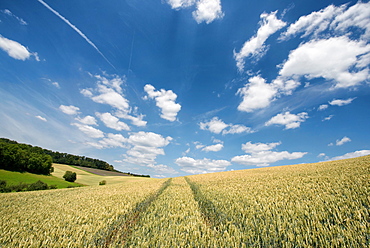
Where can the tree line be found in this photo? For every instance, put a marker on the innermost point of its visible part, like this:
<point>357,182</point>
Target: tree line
<point>22,157</point>
<point>16,156</point>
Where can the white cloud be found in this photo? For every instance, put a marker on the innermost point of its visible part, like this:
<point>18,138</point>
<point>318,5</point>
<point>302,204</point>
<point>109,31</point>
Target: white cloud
<point>197,166</point>
<point>15,49</point>
<point>109,91</point>
<point>357,15</point>
<point>328,118</point>
<point>112,122</point>
<point>339,102</point>
<point>352,155</point>
<point>337,58</point>
<point>260,154</point>
<point>41,118</point>
<point>160,168</point>
<point>111,97</point>
<point>233,129</point>
<point>345,139</point>
<point>69,110</point>
<point>113,140</point>
<point>249,147</point>
<point>165,100</point>
<point>89,130</point>
<point>149,139</point>
<point>146,146</point>
<point>255,47</point>
<point>290,121</point>
<point>178,4</point>
<point>314,23</point>
<point>217,126</point>
<point>338,20</point>
<point>56,84</point>
<point>213,148</point>
<point>208,11</point>
<point>258,94</point>
<point>20,20</point>
<point>135,120</point>
<point>87,120</point>
<point>323,107</point>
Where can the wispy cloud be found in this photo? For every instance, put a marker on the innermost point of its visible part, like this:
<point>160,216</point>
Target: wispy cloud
<point>20,20</point>
<point>77,30</point>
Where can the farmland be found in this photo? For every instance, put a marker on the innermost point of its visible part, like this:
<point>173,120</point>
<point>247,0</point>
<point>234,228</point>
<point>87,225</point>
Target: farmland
<point>87,176</point>
<point>310,205</point>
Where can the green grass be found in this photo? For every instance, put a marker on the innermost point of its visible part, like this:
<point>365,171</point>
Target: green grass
<point>14,178</point>
<point>90,179</point>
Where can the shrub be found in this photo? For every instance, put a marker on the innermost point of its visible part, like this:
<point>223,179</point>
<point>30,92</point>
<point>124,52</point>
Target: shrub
<point>39,185</point>
<point>70,176</point>
<point>103,182</point>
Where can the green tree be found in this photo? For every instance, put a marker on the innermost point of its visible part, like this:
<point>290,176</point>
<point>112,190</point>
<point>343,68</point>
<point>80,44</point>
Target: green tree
<point>70,176</point>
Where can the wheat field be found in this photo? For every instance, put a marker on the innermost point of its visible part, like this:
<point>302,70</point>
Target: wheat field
<point>310,205</point>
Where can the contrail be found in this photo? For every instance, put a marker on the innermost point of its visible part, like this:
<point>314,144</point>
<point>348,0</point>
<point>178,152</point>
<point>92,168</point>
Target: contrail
<point>77,30</point>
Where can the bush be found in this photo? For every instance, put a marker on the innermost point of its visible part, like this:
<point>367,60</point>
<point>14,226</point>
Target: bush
<point>39,185</point>
<point>70,176</point>
<point>103,182</point>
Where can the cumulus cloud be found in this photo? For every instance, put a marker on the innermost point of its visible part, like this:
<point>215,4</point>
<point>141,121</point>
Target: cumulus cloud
<point>260,154</point>
<point>208,11</point>
<point>339,59</point>
<point>339,102</point>
<point>352,155</point>
<point>112,122</point>
<point>15,49</point>
<point>258,94</point>
<point>178,4</point>
<point>110,141</point>
<point>216,125</point>
<point>323,107</point>
<point>342,141</point>
<point>109,91</point>
<point>89,130</point>
<point>198,166</point>
<point>249,147</point>
<point>145,147</point>
<point>87,120</point>
<point>69,110</point>
<point>213,148</point>
<point>290,121</point>
<point>314,23</point>
<point>165,100</point>
<point>161,168</point>
<point>336,19</point>
<point>255,47</point>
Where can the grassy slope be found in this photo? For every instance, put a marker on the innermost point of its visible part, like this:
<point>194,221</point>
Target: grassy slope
<point>14,178</point>
<point>88,178</point>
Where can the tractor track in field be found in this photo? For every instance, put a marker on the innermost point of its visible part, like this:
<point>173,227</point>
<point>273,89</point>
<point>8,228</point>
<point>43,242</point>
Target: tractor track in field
<point>212,216</point>
<point>124,224</point>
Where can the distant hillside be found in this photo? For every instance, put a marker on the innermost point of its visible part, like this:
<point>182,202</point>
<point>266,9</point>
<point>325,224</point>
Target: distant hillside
<point>92,177</point>
<point>23,157</point>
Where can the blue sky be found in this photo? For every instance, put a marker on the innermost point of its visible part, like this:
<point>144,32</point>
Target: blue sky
<point>178,87</point>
